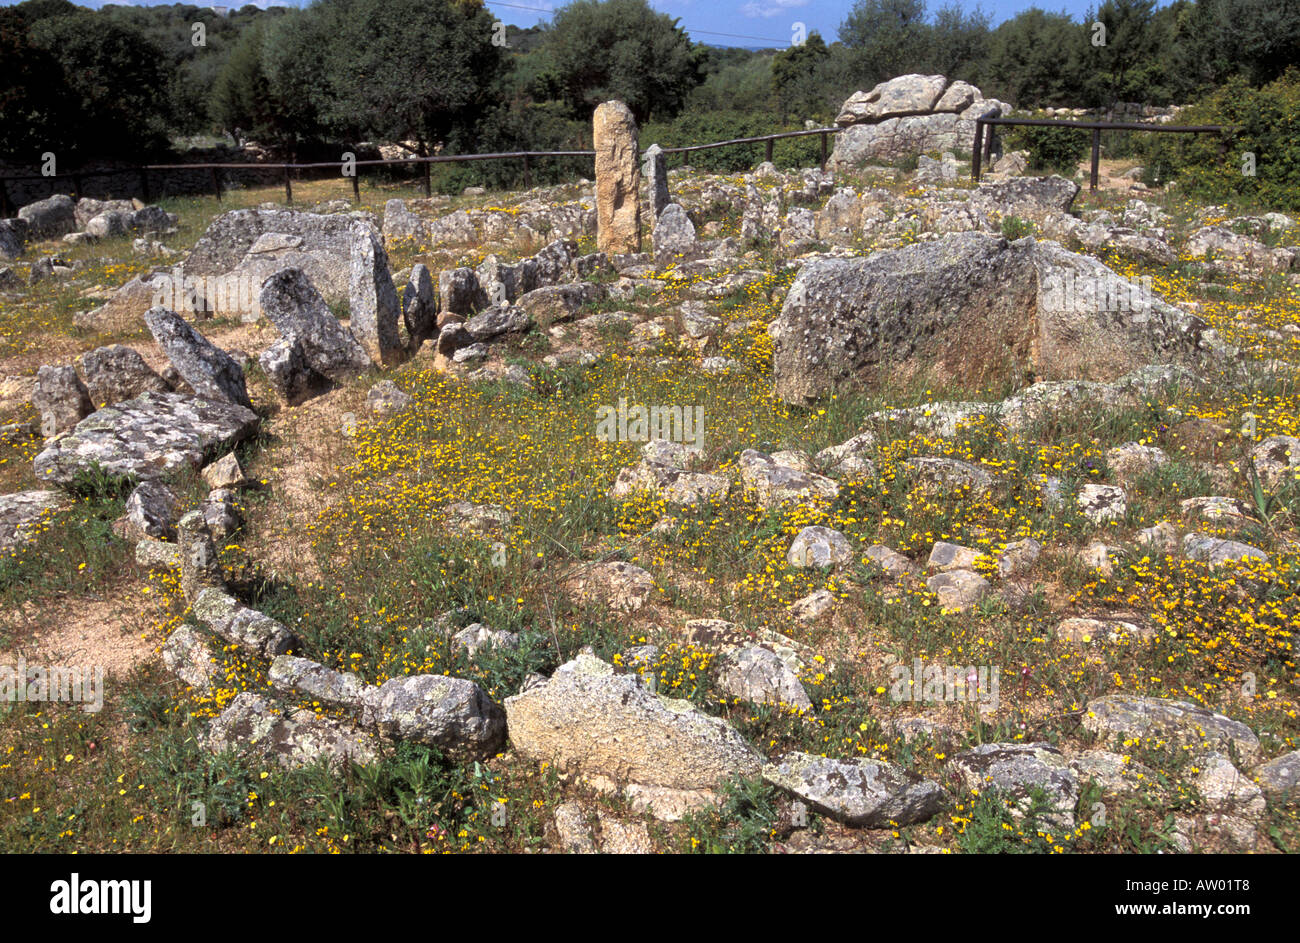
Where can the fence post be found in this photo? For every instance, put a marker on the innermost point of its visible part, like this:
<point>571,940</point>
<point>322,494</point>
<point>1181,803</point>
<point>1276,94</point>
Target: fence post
<point>767,150</point>
<point>288,186</point>
<point>356,188</point>
<point>989,131</point>
<point>1096,158</point>
<point>216,183</point>
<point>976,151</point>
<point>428,188</point>
<point>823,138</point>
<point>528,176</point>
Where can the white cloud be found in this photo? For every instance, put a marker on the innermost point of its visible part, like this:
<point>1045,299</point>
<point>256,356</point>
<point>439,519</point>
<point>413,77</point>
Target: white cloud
<point>767,9</point>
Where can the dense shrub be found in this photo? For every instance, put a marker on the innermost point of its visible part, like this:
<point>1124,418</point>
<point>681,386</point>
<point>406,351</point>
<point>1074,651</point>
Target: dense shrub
<point>691,129</point>
<point>1057,149</point>
<point>1214,167</point>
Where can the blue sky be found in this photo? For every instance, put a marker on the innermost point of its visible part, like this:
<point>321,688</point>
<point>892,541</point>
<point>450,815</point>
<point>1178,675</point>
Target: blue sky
<point>736,22</point>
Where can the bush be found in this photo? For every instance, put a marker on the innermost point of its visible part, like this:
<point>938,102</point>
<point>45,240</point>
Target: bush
<point>1057,149</point>
<point>1213,167</point>
<point>707,128</point>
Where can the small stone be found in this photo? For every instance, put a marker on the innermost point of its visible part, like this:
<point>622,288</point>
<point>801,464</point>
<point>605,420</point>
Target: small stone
<point>946,556</point>
<point>1101,503</point>
<point>225,472</point>
<point>958,590</point>
<point>819,547</point>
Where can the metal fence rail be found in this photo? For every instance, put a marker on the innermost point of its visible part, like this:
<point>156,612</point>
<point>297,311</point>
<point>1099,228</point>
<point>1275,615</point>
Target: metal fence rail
<point>287,169</point>
<point>982,151</point>
<point>983,145</point>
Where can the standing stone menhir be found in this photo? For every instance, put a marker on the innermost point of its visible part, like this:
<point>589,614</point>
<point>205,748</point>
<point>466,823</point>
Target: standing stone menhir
<point>618,179</point>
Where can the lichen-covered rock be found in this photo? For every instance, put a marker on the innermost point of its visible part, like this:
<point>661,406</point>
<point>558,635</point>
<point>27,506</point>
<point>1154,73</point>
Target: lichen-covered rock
<point>1279,778</point>
<point>813,606</point>
<point>760,676</point>
<point>221,512</point>
<point>253,631</point>
<point>860,792</point>
<point>116,373</point>
<point>419,307</point>
<point>211,372</point>
<point>60,398</point>
<point>774,485</point>
<point>618,178</point>
<point>49,218</point>
<point>889,561</point>
<point>291,675</point>
<point>946,556</point>
<point>151,510</point>
<point>372,299</point>
<point>1115,773</point>
<point>1218,552</point>
<point>1179,723</point>
<point>459,292</point>
<point>1018,556</point>
<point>286,368</point>
<point>958,590</point>
<point>1016,770</point>
<point>453,714</point>
<point>249,726</point>
<point>819,547</point>
<point>385,398</point>
<point>1226,788</point>
<point>186,655</point>
<point>610,729</point>
<point>1101,503</point>
<point>1277,459</point>
<point>150,436</point>
<point>674,235</point>
<point>154,554</point>
<point>974,307</point>
<point>21,514</point>
<point>300,314</point>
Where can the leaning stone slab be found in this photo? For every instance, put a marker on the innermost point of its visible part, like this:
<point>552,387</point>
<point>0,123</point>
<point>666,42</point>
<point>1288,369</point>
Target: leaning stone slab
<point>185,654</point>
<point>1180,723</point>
<point>302,317</point>
<point>373,299</point>
<point>860,792</point>
<point>209,370</point>
<point>151,436</point>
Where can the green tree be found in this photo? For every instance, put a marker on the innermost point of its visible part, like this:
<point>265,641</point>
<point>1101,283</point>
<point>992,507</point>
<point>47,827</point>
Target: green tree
<point>959,43</point>
<point>118,83</point>
<point>1034,60</point>
<point>1126,67</point>
<point>886,38</point>
<point>603,49</point>
<point>796,76</point>
<point>401,69</point>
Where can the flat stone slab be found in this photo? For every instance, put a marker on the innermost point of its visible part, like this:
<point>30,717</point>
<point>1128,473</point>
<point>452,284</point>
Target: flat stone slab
<point>1181,723</point>
<point>857,792</point>
<point>153,435</point>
